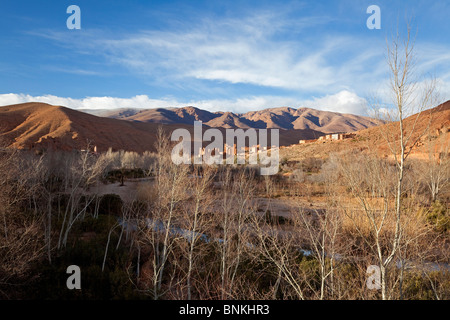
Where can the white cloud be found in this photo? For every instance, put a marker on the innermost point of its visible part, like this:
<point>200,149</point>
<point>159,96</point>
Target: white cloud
<point>344,102</point>
<point>140,101</point>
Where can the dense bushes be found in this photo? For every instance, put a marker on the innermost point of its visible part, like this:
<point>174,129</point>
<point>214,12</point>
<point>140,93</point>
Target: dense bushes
<point>111,204</point>
<point>249,253</point>
<point>86,249</point>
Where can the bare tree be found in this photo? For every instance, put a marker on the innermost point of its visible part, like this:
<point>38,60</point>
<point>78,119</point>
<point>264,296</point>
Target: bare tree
<point>436,169</point>
<point>280,249</point>
<point>235,209</point>
<point>82,170</point>
<point>157,228</point>
<point>322,231</point>
<point>197,219</point>
<point>409,97</point>
<point>21,240</point>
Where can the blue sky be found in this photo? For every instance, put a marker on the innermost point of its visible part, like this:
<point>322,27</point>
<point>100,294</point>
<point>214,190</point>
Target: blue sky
<point>216,55</point>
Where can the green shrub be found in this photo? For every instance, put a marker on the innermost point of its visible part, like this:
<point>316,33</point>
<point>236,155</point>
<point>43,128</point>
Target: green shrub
<point>99,225</point>
<point>439,217</point>
<point>96,284</point>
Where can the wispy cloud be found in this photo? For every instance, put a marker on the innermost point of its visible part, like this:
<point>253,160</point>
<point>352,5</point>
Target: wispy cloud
<point>241,55</point>
<point>84,72</point>
<point>262,49</point>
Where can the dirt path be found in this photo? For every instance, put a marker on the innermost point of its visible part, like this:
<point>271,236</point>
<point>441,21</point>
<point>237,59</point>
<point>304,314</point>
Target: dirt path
<point>128,191</point>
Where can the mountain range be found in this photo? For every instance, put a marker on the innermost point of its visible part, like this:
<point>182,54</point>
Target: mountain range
<point>41,126</point>
<point>277,118</point>
<point>428,132</point>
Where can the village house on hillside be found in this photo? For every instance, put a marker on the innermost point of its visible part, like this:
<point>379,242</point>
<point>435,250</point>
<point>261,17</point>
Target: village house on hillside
<point>330,137</point>
<point>227,150</point>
